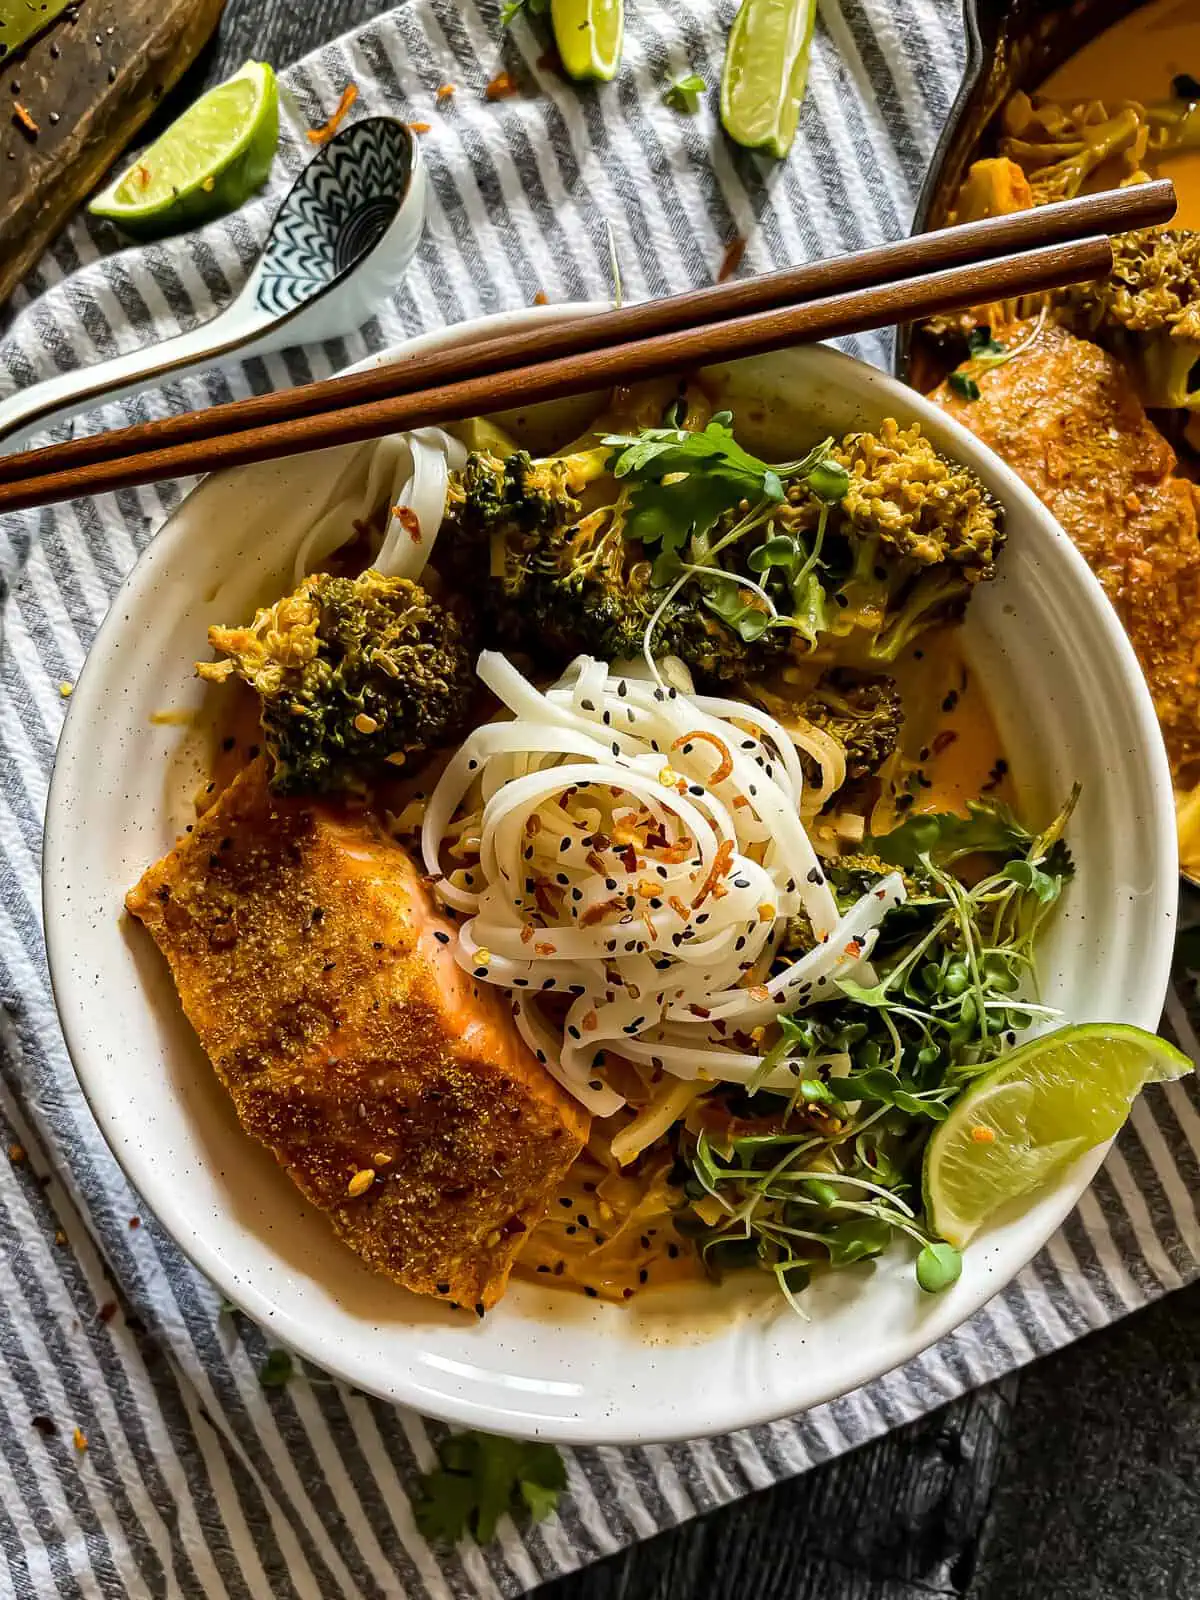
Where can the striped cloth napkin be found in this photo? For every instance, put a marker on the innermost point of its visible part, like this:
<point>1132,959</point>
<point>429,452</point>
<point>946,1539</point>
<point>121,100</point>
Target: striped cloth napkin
<point>140,1452</point>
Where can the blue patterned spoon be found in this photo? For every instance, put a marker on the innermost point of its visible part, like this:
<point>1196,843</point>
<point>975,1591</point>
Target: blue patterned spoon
<point>338,246</point>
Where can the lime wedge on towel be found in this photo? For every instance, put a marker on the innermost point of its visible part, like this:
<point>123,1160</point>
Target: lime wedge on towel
<point>1034,1112</point>
<point>766,71</point>
<point>589,34</point>
<point>207,163</point>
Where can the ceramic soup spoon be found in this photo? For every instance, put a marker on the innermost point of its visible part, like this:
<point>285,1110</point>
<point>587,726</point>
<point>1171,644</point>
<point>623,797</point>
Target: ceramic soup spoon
<point>339,244</point>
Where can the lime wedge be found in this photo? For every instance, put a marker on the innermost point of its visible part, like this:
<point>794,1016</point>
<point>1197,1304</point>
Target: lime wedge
<point>1034,1112</point>
<point>589,34</point>
<point>209,161</point>
<point>766,71</point>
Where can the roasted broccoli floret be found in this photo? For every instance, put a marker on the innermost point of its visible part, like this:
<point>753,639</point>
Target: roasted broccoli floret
<point>864,713</point>
<point>912,536</point>
<point>517,494</point>
<point>351,673</point>
<point>1147,313</point>
<point>555,580</point>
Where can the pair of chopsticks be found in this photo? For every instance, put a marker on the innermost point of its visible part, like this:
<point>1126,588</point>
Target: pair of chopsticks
<point>950,270</point>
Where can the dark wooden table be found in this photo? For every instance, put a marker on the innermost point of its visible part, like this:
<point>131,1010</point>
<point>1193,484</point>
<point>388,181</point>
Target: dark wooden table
<point>1076,1480</point>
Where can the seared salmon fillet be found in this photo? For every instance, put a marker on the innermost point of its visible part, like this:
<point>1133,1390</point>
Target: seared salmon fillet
<point>396,1091</point>
<point>1064,416</point>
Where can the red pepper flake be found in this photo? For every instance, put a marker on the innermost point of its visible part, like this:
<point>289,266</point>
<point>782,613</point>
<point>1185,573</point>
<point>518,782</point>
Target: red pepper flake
<point>722,749</point>
<point>854,947</point>
<point>761,993</point>
<point>135,1222</point>
<point>24,121</point>
<point>598,913</point>
<point>543,949</point>
<point>678,907</point>
<point>740,800</point>
<point>700,1011</point>
<point>80,1440</point>
<point>590,1022</point>
<point>678,852</point>
<point>720,866</point>
<point>446,91</point>
<point>409,521</point>
<point>418,127</point>
<point>541,298</point>
<point>107,1311</point>
<point>766,912</point>
<point>594,861</point>
<point>527,933</point>
<point>16,1154</point>
<point>323,135</point>
<point>651,930</point>
<point>533,824</point>
<point>732,259</point>
<point>943,741</point>
<point>629,858</point>
<point>544,894</point>
<point>502,86</point>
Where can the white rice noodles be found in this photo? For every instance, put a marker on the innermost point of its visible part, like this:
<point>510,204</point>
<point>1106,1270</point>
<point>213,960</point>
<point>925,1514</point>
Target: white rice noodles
<point>638,853</point>
<point>407,472</point>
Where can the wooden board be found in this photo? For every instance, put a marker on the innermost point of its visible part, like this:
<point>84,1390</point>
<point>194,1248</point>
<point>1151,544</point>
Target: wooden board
<point>88,83</point>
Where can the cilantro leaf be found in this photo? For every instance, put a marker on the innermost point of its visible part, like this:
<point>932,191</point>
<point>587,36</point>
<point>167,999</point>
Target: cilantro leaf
<point>277,1369</point>
<point>481,1478</point>
<point>683,95</point>
<point>512,9</point>
<point>981,343</point>
<point>990,827</point>
<point>710,474</point>
<point>964,386</point>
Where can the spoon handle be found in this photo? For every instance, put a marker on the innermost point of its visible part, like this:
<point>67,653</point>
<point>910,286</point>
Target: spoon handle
<point>32,410</point>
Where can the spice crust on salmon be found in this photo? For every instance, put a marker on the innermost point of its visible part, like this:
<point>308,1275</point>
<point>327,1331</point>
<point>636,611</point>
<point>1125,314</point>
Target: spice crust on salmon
<point>394,1089</point>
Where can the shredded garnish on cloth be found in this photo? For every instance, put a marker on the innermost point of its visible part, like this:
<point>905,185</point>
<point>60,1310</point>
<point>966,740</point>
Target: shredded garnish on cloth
<point>324,134</point>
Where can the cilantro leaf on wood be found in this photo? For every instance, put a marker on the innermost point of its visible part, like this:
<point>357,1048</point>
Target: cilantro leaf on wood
<point>481,1477</point>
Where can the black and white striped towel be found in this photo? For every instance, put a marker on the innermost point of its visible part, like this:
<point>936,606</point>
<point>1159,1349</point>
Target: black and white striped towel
<point>195,1480</point>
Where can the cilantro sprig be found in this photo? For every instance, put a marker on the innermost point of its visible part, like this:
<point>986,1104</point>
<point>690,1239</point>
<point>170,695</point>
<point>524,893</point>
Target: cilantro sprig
<point>679,485</point>
<point>480,1478</point>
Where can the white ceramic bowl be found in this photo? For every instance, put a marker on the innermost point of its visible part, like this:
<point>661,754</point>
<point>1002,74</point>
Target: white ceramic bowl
<point>1071,705</point>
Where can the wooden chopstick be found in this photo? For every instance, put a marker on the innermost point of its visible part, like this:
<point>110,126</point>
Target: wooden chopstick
<point>596,368</point>
<point>1114,211</point>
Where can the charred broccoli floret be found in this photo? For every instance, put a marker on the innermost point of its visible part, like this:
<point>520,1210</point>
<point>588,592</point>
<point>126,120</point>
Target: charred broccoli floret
<point>517,494</point>
<point>351,673</point>
<point>562,580</point>
<point>914,533</point>
<point>863,713</point>
<point>1147,313</point>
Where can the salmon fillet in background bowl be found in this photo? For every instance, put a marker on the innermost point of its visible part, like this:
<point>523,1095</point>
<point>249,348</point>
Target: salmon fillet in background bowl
<point>1071,705</point>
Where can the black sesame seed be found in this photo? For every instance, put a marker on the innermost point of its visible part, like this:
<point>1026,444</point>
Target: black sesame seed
<point>442,938</point>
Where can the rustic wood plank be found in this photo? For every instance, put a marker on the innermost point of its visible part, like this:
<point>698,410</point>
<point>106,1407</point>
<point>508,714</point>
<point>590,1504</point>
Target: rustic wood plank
<point>88,84</point>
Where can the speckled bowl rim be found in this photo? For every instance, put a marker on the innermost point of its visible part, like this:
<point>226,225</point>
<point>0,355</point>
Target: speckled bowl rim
<point>606,1420</point>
